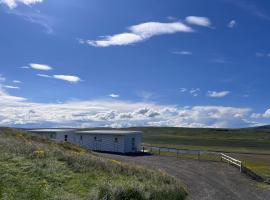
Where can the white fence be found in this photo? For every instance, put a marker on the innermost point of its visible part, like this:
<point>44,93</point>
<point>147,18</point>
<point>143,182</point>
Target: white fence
<point>231,161</point>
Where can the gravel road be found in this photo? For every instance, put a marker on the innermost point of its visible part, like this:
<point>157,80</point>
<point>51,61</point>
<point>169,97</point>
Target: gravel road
<point>204,180</point>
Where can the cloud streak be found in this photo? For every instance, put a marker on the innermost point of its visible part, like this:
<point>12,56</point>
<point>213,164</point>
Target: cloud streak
<point>11,4</point>
<point>36,66</point>
<point>68,78</point>
<point>199,21</point>
<point>139,33</point>
<point>184,53</point>
<point>215,94</point>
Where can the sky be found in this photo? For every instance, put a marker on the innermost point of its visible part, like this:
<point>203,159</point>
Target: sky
<point>119,63</point>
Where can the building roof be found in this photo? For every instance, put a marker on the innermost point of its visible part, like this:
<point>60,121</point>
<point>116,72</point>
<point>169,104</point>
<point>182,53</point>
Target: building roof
<point>109,132</point>
<point>50,130</point>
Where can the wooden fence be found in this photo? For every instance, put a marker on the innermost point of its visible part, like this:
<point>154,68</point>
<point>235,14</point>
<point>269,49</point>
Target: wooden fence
<point>231,161</point>
<point>197,153</point>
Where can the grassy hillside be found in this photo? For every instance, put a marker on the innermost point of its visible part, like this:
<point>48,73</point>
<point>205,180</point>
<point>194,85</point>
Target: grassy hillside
<point>32,168</point>
<point>253,140</point>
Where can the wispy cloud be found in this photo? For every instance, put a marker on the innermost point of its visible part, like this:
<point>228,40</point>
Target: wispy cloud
<point>251,8</point>
<point>139,33</point>
<point>44,75</point>
<point>35,17</point>
<point>220,94</point>
<point>68,78</point>
<point>262,55</point>
<point>183,89</point>
<point>28,13</point>
<point>185,53</point>
<point>14,3</point>
<point>40,67</point>
<point>11,87</point>
<point>16,81</point>
<point>232,24</point>
<point>195,92</point>
<point>114,95</point>
<point>2,78</point>
<point>199,21</point>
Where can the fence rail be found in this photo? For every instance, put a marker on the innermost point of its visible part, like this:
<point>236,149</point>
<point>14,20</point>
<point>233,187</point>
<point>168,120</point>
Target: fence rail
<point>231,160</point>
<point>195,153</point>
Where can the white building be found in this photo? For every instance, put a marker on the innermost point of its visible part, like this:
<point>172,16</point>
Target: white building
<point>98,140</point>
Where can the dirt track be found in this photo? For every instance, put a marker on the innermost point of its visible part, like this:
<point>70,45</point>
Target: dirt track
<point>204,180</point>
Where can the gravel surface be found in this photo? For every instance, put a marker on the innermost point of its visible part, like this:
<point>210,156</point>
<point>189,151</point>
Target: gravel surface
<point>204,180</point>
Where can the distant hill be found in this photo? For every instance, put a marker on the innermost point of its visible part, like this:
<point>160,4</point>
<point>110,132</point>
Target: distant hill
<point>33,168</point>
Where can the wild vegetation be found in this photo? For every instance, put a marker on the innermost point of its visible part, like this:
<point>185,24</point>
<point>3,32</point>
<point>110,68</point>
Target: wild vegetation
<point>32,168</point>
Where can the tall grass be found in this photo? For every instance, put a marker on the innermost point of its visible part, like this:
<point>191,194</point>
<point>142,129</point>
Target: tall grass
<point>35,168</point>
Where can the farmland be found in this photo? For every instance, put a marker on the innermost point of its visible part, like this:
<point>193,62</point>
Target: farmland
<point>251,145</point>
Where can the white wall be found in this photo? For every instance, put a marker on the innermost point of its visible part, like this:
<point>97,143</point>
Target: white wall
<point>128,143</point>
<point>103,142</point>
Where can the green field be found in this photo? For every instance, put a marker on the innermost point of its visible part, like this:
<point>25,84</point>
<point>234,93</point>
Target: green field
<point>250,145</point>
<point>226,140</point>
<point>32,168</point>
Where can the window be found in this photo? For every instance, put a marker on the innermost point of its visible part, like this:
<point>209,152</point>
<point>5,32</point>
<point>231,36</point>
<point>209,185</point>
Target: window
<point>81,137</point>
<point>66,137</point>
<point>95,138</point>
<point>116,140</point>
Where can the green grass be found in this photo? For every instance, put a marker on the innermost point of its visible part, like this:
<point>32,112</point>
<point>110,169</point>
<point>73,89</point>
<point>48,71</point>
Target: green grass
<point>245,143</point>
<point>33,168</point>
<point>226,140</point>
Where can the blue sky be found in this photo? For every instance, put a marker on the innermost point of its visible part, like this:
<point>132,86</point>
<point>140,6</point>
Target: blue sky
<point>134,63</point>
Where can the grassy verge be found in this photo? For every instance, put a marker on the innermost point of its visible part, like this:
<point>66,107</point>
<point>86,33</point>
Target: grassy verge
<point>35,168</point>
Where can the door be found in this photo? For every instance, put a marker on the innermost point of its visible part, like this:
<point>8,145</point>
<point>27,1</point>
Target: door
<point>133,145</point>
<point>116,144</point>
<point>97,143</point>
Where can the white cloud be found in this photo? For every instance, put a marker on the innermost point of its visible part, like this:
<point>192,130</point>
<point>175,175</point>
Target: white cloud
<point>195,92</point>
<point>199,21</point>
<point>44,75</point>
<point>183,89</point>
<point>232,24</point>
<point>16,81</point>
<point>216,94</point>
<point>11,87</point>
<point>8,100</point>
<point>114,95</point>
<point>14,3</point>
<point>69,78</point>
<point>2,78</point>
<point>138,33</point>
<point>266,114</point>
<point>185,53</point>
<point>40,67</point>
<point>35,17</point>
<point>16,111</point>
<point>262,55</point>
<point>150,29</point>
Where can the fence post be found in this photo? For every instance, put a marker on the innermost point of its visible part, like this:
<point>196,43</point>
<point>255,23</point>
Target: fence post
<point>177,153</point>
<point>158,151</point>
<point>199,155</point>
<point>241,167</point>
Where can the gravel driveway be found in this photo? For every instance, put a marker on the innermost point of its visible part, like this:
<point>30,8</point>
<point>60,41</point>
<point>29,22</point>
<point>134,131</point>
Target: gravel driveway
<point>204,180</point>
